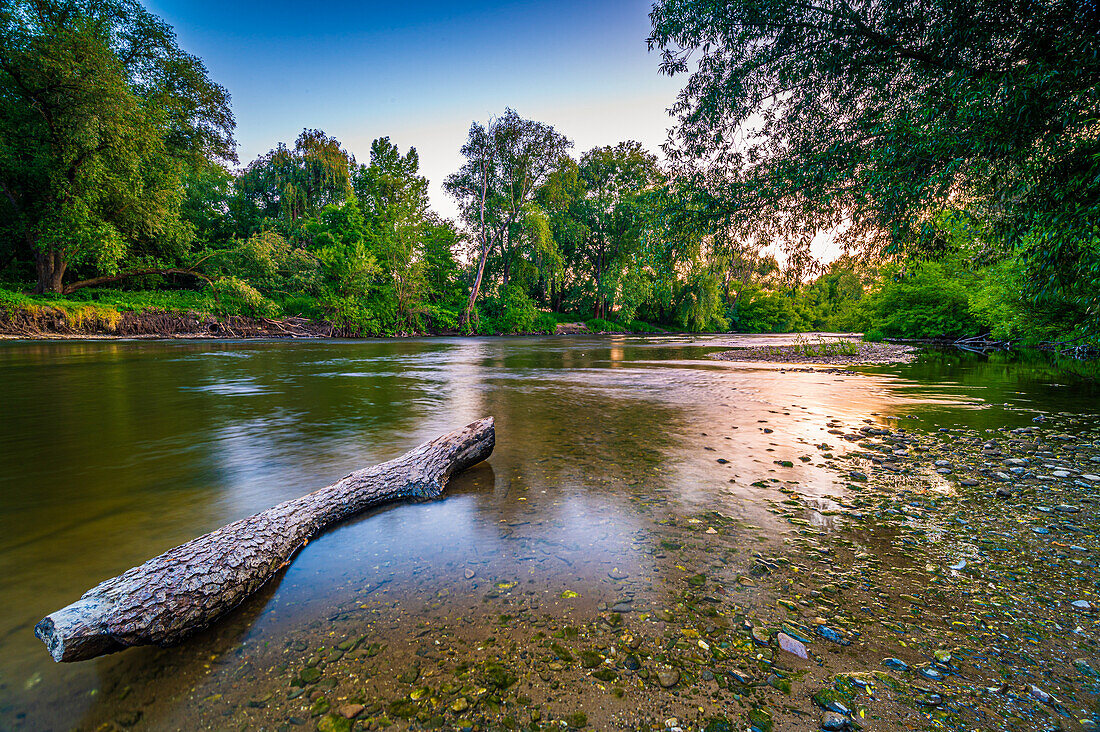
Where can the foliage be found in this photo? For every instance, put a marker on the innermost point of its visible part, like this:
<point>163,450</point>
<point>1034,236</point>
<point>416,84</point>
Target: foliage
<point>954,147</point>
<point>878,116</point>
<point>102,116</point>
<point>924,303</point>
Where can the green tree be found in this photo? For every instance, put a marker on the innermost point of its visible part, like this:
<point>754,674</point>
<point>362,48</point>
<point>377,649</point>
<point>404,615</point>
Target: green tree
<point>884,114</point>
<point>602,210</point>
<point>506,162</point>
<point>291,186</point>
<point>101,115</point>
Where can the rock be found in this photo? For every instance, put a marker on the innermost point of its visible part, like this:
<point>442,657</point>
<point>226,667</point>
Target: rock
<point>310,674</point>
<point>617,574</point>
<point>460,705</point>
<point>760,635</point>
<point>1066,508</point>
<point>792,646</point>
<point>831,635</point>
<point>739,678</point>
<point>590,659</point>
<point>718,724</point>
<point>1081,605</point>
<point>621,607</point>
<point>1003,492</point>
<point>350,711</point>
<point>895,663</point>
<point>333,723</point>
<point>668,677</point>
<point>631,663</point>
<point>834,722</point>
<point>469,573</point>
<point>1039,694</point>
<point>930,672</point>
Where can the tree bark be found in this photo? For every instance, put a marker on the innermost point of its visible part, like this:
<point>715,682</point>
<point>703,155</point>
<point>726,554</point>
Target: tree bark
<point>189,587</point>
<point>50,267</point>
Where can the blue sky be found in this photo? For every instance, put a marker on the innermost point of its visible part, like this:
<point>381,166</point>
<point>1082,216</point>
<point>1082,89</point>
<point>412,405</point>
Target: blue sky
<point>421,72</point>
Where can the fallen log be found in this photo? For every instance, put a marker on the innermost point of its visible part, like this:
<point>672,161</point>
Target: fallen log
<point>187,588</point>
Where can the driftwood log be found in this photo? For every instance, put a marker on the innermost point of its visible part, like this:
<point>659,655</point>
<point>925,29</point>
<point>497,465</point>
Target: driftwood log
<point>189,587</point>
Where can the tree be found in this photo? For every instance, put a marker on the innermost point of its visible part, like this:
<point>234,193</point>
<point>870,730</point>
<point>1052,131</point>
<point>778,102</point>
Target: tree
<point>886,114</point>
<point>394,201</point>
<point>506,162</point>
<point>290,186</point>
<point>101,113</point>
<point>614,211</point>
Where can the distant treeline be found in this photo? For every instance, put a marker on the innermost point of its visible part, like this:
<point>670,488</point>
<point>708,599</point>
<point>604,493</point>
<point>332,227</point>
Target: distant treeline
<point>960,171</point>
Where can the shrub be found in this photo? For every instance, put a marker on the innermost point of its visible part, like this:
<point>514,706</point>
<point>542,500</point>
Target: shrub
<point>599,325</point>
<point>926,303</point>
<point>237,296</point>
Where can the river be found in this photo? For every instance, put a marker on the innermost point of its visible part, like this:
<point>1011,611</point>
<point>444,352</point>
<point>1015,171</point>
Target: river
<point>113,451</point>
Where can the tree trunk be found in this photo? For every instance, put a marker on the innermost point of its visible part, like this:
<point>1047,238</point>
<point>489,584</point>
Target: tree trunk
<point>471,301</point>
<point>468,314</point>
<point>108,279</point>
<point>189,587</point>
<point>50,265</point>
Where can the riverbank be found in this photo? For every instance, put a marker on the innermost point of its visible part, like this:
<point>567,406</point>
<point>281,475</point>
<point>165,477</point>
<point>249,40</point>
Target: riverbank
<point>191,315</point>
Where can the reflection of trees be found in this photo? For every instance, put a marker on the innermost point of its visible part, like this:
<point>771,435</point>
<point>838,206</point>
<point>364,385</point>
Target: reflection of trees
<point>946,378</point>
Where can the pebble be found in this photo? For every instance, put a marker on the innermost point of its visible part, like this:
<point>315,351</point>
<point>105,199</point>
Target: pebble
<point>834,722</point>
<point>1038,694</point>
<point>895,663</point>
<point>792,646</point>
<point>1081,605</point>
<point>668,677</point>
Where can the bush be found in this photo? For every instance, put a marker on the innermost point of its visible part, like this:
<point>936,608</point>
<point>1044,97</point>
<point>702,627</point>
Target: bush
<point>874,336</point>
<point>237,296</point>
<point>511,311</point>
<point>926,303</point>
<point>545,323</point>
<point>638,326</point>
<point>599,325</point>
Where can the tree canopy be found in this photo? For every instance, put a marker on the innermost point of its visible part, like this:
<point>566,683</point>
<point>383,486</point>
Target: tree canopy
<point>887,117</point>
<point>104,115</point>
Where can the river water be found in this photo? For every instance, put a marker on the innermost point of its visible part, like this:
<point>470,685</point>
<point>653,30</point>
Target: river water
<point>112,452</point>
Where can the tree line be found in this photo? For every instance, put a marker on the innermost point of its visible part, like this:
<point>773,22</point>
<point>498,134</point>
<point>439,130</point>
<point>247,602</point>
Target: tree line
<point>952,151</point>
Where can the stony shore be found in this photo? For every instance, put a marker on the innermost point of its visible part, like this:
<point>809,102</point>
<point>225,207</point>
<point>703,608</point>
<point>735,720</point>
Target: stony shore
<point>841,352</point>
<point>951,582</point>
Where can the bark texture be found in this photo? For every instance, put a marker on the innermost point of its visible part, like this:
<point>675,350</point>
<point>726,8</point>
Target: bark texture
<point>189,587</point>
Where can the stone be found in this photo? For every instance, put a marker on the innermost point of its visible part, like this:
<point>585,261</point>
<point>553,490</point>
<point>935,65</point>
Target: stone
<point>895,663</point>
<point>792,646</point>
<point>834,722</point>
<point>350,711</point>
<point>333,723</point>
<point>668,677</point>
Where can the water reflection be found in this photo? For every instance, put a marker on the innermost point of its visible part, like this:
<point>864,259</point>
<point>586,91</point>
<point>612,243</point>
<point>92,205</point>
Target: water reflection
<point>111,452</point>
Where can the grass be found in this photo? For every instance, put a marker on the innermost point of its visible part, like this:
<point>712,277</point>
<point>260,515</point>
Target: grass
<point>119,301</point>
<point>826,349</point>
